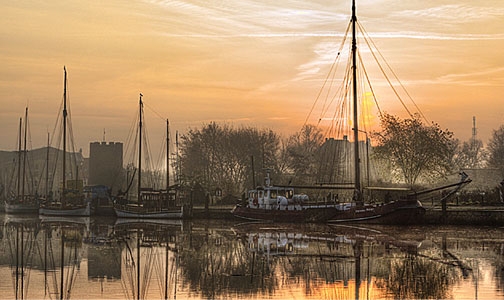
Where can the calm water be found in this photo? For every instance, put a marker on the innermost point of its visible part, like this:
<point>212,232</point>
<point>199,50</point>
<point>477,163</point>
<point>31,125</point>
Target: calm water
<point>231,260</point>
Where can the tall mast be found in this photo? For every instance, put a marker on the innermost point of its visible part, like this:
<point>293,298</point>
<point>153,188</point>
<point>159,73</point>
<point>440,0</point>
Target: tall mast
<point>177,158</point>
<point>24,154</point>
<point>19,159</point>
<point>139,194</point>
<point>140,148</point>
<point>167,154</point>
<point>47,169</point>
<point>64,133</point>
<point>355,108</point>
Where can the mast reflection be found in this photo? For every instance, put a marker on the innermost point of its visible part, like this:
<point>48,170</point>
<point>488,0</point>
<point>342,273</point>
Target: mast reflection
<point>148,256</point>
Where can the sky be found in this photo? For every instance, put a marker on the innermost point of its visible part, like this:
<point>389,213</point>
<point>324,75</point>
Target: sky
<point>249,62</point>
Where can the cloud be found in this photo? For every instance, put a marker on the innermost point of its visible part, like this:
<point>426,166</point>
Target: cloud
<point>453,13</point>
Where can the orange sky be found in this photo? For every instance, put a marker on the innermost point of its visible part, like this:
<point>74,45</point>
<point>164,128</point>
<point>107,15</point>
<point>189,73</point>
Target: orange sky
<point>258,63</point>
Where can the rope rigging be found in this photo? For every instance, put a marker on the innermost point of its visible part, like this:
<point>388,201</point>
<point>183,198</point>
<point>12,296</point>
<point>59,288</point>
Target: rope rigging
<point>334,101</point>
<point>330,95</point>
<point>372,46</point>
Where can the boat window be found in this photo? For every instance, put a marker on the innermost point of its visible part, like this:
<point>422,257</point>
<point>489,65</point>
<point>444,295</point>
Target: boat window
<point>289,194</point>
<point>261,194</point>
<point>273,194</point>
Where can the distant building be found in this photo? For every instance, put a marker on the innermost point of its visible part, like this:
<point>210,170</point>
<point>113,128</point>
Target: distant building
<point>105,164</point>
<point>483,179</point>
<point>338,161</point>
<point>39,177</point>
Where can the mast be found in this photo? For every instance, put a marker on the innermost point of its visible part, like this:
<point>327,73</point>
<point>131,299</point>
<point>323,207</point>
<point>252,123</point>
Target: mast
<point>167,155</point>
<point>19,160</point>
<point>138,247</point>
<point>24,154</point>
<point>177,162</point>
<point>64,134</point>
<point>62,258</point>
<point>47,169</point>
<point>140,148</point>
<point>358,196</point>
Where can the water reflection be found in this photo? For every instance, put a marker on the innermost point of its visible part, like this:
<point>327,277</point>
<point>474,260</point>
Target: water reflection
<point>148,257</point>
<point>118,259</point>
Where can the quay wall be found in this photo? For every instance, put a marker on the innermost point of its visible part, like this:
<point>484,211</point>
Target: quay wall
<point>465,216</point>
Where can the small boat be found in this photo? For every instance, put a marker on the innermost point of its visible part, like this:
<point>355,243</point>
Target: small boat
<point>281,204</point>
<point>57,209</point>
<point>22,205</point>
<point>22,202</point>
<point>70,201</point>
<point>153,204</point>
<point>150,203</point>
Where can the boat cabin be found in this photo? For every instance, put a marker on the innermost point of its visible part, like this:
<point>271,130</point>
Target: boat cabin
<point>273,197</point>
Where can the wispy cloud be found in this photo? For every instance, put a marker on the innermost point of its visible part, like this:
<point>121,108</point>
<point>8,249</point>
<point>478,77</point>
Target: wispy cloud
<point>454,13</point>
<point>486,77</point>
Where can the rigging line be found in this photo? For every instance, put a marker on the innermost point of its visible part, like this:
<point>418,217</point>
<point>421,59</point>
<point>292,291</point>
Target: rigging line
<point>133,152</point>
<point>326,106</point>
<point>158,270</point>
<point>372,48</point>
<point>343,92</point>
<point>338,92</point>
<point>370,87</point>
<point>388,79</point>
<point>155,112</point>
<point>321,90</point>
<point>332,71</point>
<point>148,153</point>
<point>364,112</point>
<point>71,139</point>
<point>131,139</point>
<point>30,158</point>
<point>339,117</point>
<point>328,74</point>
<point>391,70</point>
<point>161,159</point>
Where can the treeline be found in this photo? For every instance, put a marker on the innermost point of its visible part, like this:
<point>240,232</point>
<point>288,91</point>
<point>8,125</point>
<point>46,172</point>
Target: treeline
<point>405,151</point>
<point>235,159</point>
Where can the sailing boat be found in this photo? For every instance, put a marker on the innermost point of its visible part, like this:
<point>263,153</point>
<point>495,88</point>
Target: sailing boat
<point>403,211</point>
<point>151,203</point>
<point>70,201</point>
<point>21,202</point>
<point>277,203</point>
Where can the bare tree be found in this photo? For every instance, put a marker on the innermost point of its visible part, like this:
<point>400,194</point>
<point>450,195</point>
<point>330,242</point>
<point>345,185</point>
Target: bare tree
<point>417,150</point>
<point>302,149</point>
<point>496,149</point>
<point>219,156</point>
<point>471,154</point>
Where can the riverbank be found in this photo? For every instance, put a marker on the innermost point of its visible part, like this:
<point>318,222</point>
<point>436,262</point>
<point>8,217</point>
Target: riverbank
<point>454,215</point>
<point>466,215</point>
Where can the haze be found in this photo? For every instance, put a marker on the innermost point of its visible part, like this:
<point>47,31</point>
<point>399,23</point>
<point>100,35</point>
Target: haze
<point>254,63</point>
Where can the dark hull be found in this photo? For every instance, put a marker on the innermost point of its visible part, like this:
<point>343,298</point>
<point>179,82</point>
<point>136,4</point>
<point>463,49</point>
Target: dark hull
<point>21,208</point>
<point>313,215</point>
<point>81,210</point>
<point>125,211</point>
<point>398,212</point>
<point>394,213</point>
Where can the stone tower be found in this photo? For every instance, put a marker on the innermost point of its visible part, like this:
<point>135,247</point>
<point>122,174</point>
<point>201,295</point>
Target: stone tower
<point>105,164</point>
